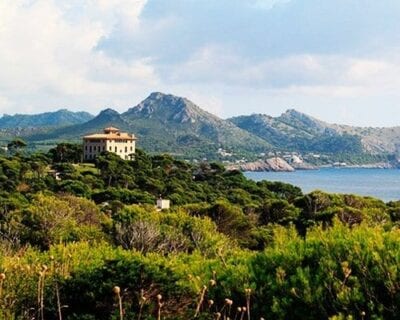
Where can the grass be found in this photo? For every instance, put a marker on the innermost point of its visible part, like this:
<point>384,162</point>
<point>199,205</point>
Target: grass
<point>86,167</point>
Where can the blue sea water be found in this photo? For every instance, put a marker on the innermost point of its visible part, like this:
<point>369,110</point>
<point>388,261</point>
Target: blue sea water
<point>379,183</point>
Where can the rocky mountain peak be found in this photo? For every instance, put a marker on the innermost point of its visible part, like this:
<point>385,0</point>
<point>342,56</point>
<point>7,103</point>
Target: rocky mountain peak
<point>108,113</point>
<point>166,107</point>
<point>293,113</point>
<point>302,121</point>
<point>108,116</point>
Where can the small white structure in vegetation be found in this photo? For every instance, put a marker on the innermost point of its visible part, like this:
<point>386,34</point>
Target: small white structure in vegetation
<point>163,204</point>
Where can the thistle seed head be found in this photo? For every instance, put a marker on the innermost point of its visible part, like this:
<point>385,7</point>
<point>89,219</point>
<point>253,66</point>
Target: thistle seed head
<point>117,290</point>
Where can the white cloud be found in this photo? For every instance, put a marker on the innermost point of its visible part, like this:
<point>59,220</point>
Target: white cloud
<point>310,74</point>
<point>5,103</point>
<point>88,54</point>
<point>219,64</point>
<point>45,52</point>
<point>267,4</point>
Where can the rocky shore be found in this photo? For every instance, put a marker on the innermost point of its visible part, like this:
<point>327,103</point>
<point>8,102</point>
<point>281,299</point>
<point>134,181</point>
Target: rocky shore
<point>277,164</point>
<point>271,164</point>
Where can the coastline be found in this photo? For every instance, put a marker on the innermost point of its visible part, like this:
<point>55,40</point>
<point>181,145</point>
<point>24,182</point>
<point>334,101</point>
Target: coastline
<point>278,164</point>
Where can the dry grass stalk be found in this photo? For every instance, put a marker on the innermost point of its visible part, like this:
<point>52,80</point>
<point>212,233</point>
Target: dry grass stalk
<point>159,304</point>
<point>227,307</point>
<point>117,291</point>
<point>248,296</point>
<point>41,282</point>
<point>141,303</point>
<point>2,278</point>
<point>238,312</point>
<point>58,301</point>
<point>201,300</point>
<point>244,309</point>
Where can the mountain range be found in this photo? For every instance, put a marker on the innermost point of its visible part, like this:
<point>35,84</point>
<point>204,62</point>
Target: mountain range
<point>168,123</point>
<point>27,124</point>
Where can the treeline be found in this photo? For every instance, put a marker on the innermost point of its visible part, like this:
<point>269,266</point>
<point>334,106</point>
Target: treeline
<point>84,241</point>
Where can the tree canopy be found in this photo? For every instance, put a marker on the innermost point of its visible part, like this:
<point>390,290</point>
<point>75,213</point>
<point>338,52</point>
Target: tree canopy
<point>71,233</point>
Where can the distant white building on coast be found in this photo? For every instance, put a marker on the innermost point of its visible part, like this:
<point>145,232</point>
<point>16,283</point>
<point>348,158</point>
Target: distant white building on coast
<point>112,140</point>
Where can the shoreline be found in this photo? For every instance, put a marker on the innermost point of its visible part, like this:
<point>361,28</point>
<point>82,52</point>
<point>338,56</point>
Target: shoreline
<point>266,167</point>
<point>329,167</point>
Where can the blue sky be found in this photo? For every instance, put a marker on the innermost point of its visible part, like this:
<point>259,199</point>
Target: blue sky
<point>336,60</point>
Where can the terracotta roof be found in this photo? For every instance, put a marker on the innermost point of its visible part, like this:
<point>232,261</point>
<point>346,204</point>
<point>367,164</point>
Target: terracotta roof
<point>111,136</point>
<point>111,129</point>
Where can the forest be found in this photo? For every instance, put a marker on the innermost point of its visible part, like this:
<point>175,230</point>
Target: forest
<point>85,241</point>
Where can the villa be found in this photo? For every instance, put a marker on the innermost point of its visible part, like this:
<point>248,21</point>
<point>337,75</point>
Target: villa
<point>111,140</point>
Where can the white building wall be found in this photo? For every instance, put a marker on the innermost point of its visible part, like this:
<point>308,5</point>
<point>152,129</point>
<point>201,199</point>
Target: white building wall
<point>91,148</point>
<point>123,148</point>
<point>163,204</point>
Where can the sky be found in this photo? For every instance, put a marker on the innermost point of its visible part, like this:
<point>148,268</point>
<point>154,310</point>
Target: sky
<point>336,60</point>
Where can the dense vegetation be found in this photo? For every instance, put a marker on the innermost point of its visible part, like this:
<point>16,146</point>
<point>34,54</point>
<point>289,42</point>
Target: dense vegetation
<point>84,241</point>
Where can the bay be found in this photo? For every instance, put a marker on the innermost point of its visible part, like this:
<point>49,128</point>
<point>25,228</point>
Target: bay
<point>379,183</point>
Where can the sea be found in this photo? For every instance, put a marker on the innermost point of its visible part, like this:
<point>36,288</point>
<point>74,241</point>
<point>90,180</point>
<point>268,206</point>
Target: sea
<point>379,183</point>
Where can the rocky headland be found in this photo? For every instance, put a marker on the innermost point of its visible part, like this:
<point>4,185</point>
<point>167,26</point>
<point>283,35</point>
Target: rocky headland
<point>271,164</point>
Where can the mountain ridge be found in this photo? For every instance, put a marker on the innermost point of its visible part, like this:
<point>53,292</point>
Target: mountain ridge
<point>168,123</point>
<point>63,117</point>
<point>173,124</point>
<point>297,127</point>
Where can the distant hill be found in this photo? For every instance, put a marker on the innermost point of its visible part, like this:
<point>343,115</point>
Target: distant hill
<point>105,118</point>
<point>60,118</point>
<point>168,123</point>
<point>295,131</point>
<point>26,125</point>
